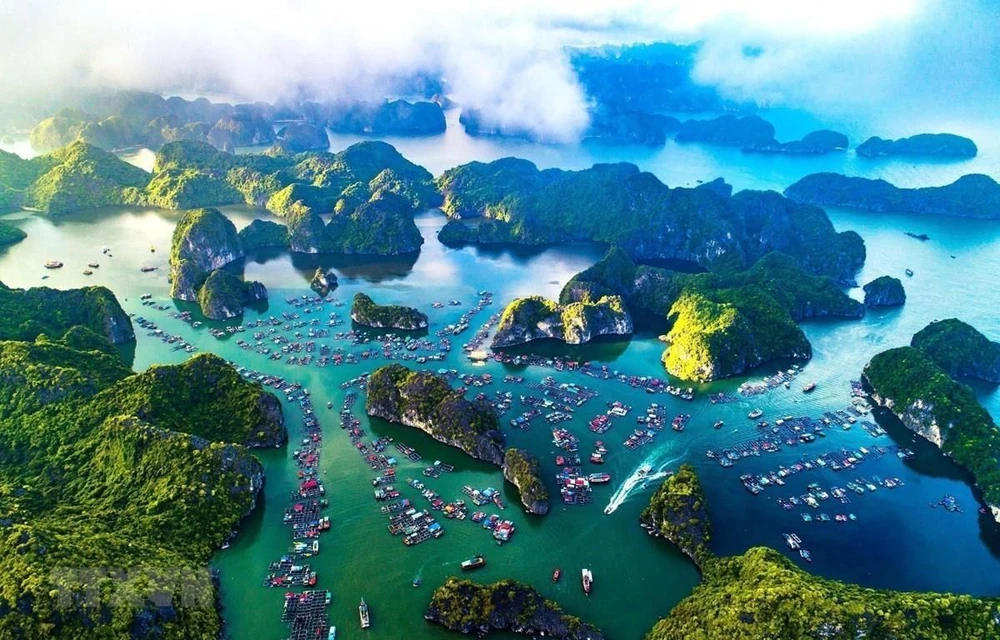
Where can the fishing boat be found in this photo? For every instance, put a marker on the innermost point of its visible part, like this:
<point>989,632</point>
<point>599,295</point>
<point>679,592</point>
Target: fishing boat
<point>147,269</point>
<point>474,562</point>
<point>556,574</point>
<point>53,264</point>
<point>599,478</point>
<point>805,555</point>
<point>719,424</point>
<point>909,272</point>
<point>93,265</point>
<point>756,413</point>
<point>363,612</point>
<point>88,272</point>
<point>332,634</point>
<point>417,582</point>
<point>809,387</point>
<point>587,578</point>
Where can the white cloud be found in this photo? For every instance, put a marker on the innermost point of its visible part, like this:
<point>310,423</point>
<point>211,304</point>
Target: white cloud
<point>506,56</point>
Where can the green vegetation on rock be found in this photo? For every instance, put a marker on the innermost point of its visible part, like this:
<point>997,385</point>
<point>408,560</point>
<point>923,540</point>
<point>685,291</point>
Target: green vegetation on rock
<point>929,402</point>
<point>762,594</point>
<point>534,318</point>
<point>263,234</point>
<point>721,333</point>
<point>9,234</point>
<point>523,470</point>
<point>618,204</point>
<point>959,349</point>
<point>82,176</point>
<point>382,226</point>
<point>367,312</point>
<point>28,313</point>
<point>922,144</point>
<point>112,500</point>
<point>224,294</point>
<point>971,196</point>
<point>884,291</point>
<point>468,607</point>
<point>677,511</point>
<point>426,401</point>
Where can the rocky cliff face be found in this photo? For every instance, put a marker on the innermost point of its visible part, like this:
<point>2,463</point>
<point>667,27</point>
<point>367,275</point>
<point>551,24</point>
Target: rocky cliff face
<point>323,282</point>
<point>885,291</point>
<point>523,471</point>
<point>467,607</point>
<point>207,239</point>
<point>307,233</point>
<point>367,312</point>
<point>959,349</point>
<point>534,318</point>
<point>427,402</point>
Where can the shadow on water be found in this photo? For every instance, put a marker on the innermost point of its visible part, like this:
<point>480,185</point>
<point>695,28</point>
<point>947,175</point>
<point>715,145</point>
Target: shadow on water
<point>600,349</point>
<point>430,449</point>
<point>372,269</point>
<point>928,460</point>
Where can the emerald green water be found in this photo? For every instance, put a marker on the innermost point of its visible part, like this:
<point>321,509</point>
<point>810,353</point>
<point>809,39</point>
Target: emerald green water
<point>897,541</point>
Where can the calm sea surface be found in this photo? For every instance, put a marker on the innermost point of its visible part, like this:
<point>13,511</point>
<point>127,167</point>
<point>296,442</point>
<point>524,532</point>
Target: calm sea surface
<point>897,540</point>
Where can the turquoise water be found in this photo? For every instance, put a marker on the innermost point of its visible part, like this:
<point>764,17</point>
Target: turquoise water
<point>897,540</point>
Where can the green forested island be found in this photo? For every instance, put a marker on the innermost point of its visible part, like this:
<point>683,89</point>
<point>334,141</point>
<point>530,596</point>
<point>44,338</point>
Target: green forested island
<point>28,313</point>
<point>9,234</point>
<point>522,469</point>
<point>116,488</point>
<point>534,318</point>
<point>762,594</point>
<point>618,204</point>
<point>468,607</point>
<point>884,291</point>
<point>367,312</point>
<point>971,196</point>
<point>677,511</point>
<point>941,145</point>
<point>960,349</point>
<point>426,401</point>
<point>907,382</point>
<point>721,323</point>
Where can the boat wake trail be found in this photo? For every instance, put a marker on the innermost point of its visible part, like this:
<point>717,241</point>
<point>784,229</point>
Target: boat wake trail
<point>639,480</point>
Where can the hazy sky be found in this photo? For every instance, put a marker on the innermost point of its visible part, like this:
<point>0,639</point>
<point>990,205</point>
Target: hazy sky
<point>508,56</point>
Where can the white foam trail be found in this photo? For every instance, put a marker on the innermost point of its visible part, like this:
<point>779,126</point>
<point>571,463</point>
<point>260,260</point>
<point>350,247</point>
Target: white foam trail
<point>635,483</point>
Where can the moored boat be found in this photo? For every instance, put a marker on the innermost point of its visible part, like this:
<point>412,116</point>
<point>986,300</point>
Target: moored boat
<point>53,264</point>
<point>599,478</point>
<point>363,613</point>
<point>332,634</point>
<point>809,387</point>
<point>556,574</point>
<point>474,562</point>
<point>587,578</point>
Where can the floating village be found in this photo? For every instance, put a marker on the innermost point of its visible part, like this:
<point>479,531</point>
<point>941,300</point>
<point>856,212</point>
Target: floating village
<point>314,333</point>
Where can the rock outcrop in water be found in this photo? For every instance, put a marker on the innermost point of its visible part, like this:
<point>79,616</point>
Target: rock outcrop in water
<point>426,401</point>
<point>204,240</point>
<point>971,196</point>
<point>727,130</point>
<point>263,234</point>
<point>535,318</point>
<point>522,470</point>
<point>678,512</point>
<point>9,234</point>
<point>468,607</point>
<point>722,333</point>
<point>297,138</point>
<point>396,117</point>
<point>323,282</point>
<point>224,295</point>
<point>240,130</point>
<point>627,126</point>
<point>618,204</point>
<point>367,312</point>
<point>813,143</point>
<point>885,291</point>
<point>959,349</point>
<point>907,382</point>
<point>941,145</point>
<point>382,226</point>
